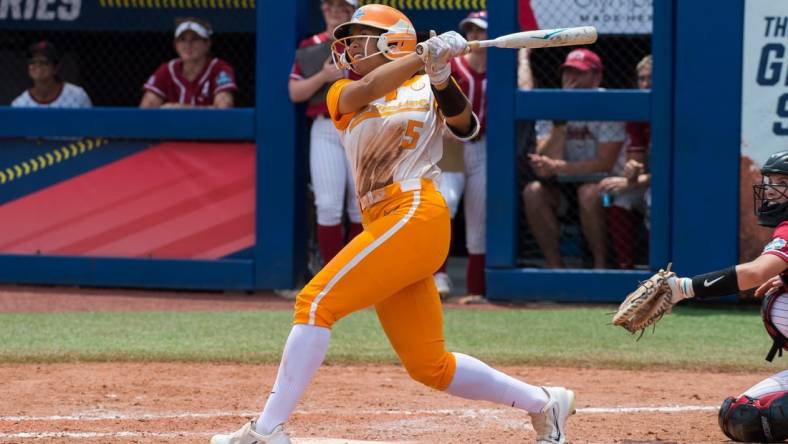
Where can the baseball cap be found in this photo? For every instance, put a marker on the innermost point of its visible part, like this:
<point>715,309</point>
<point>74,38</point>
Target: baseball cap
<point>583,59</point>
<point>192,25</point>
<point>353,3</point>
<point>46,49</point>
<point>478,18</point>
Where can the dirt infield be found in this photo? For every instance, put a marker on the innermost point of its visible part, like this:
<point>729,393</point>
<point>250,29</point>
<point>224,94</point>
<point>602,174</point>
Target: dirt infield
<point>172,402</point>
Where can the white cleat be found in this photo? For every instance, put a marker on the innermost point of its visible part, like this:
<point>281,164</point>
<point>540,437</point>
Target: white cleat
<point>550,424</point>
<point>247,435</point>
<point>443,282</point>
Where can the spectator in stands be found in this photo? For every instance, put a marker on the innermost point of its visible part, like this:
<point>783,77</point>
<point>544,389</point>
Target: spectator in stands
<point>570,157</point>
<point>48,89</point>
<point>312,74</point>
<point>195,78</point>
<point>630,189</point>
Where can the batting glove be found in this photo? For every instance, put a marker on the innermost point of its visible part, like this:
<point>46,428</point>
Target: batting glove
<point>457,43</point>
<point>436,56</point>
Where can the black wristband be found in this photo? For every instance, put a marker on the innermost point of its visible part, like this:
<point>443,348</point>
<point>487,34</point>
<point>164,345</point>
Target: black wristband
<point>716,284</point>
<point>451,100</point>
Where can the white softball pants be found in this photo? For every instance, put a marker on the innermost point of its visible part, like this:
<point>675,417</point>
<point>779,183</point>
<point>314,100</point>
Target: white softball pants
<point>332,181</point>
<point>475,155</point>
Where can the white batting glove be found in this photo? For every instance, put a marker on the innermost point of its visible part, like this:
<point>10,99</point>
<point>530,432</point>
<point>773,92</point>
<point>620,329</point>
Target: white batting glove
<point>457,43</point>
<point>436,58</point>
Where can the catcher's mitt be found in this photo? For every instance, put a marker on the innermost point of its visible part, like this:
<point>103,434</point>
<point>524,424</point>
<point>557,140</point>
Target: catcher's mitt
<point>647,304</point>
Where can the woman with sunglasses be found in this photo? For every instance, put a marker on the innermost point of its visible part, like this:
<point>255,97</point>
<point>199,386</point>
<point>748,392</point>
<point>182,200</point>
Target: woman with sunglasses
<point>48,89</point>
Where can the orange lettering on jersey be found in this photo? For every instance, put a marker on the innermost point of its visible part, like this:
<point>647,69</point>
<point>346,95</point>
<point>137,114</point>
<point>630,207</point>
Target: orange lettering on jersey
<point>411,137</point>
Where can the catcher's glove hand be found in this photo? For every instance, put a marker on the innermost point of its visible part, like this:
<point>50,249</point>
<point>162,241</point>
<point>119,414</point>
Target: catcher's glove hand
<point>647,304</point>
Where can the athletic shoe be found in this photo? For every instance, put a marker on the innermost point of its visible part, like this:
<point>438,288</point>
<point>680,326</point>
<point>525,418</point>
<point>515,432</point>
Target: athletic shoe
<point>443,282</point>
<point>247,435</point>
<point>550,424</point>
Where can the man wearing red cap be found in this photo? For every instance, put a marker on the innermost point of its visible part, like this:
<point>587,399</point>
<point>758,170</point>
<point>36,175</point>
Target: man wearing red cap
<point>573,153</point>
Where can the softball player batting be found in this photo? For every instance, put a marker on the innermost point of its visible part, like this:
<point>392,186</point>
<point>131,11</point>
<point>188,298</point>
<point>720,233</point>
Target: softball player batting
<point>470,71</point>
<point>313,72</point>
<point>390,122</point>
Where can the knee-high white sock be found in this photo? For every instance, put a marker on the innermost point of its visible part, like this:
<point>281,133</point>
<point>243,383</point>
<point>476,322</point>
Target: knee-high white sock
<point>304,352</point>
<point>476,380</point>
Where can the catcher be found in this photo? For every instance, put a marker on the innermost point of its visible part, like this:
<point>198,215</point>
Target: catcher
<point>760,414</point>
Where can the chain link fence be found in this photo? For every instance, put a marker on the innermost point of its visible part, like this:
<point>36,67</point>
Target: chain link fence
<point>112,66</point>
<point>587,213</point>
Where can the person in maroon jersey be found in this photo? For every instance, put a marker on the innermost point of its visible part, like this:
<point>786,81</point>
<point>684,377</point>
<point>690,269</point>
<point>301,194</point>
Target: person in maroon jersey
<point>332,183</point>
<point>630,190</point>
<point>195,78</point>
<point>760,414</point>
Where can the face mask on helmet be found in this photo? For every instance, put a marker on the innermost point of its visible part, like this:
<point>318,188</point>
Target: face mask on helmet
<point>394,35</point>
<point>391,45</point>
<point>771,200</point>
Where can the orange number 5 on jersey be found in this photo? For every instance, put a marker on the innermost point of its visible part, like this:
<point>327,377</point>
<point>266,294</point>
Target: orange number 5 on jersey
<point>411,137</point>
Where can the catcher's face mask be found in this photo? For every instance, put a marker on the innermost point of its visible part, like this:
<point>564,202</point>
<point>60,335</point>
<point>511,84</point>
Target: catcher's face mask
<point>771,199</point>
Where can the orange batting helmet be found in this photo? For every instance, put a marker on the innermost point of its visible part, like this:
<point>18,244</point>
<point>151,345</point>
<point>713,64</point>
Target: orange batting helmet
<point>397,40</point>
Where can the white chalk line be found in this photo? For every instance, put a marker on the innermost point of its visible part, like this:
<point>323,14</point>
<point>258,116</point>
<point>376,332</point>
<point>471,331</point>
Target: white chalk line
<point>131,416</point>
<point>123,416</point>
<point>89,435</point>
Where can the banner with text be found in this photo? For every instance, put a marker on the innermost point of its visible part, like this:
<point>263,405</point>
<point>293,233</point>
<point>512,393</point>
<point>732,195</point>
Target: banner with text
<point>764,122</point>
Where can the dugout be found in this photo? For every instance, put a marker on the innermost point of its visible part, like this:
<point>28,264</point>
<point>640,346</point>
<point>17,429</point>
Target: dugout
<point>695,118</point>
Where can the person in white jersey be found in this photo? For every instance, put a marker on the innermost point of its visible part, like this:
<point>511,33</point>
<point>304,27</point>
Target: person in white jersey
<point>48,89</point>
<point>760,414</point>
<point>390,123</point>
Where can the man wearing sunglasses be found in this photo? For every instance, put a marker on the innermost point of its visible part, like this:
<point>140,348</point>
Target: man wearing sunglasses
<point>48,89</point>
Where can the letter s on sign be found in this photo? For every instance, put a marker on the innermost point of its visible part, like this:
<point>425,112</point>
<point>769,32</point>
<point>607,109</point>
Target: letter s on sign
<point>69,10</point>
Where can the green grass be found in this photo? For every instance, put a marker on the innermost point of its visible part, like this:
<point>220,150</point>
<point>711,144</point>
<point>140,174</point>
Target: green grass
<point>708,338</point>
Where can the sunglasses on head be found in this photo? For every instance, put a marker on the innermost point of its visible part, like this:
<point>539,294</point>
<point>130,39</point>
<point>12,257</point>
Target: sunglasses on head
<point>39,61</point>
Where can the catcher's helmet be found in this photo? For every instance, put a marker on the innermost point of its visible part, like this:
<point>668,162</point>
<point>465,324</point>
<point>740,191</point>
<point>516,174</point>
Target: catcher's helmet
<point>397,40</point>
<point>771,199</point>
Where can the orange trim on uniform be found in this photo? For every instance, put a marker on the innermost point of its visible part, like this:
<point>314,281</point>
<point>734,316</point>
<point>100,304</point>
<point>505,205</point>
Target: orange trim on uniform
<point>358,119</point>
<point>341,121</point>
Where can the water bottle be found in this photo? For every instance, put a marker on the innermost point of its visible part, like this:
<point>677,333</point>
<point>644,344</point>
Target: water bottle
<point>606,200</point>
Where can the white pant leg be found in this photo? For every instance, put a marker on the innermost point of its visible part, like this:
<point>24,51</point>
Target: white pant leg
<point>775,383</point>
<point>476,195</point>
<point>351,200</point>
<point>779,381</point>
<point>328,166</point>
<point>451,186</point>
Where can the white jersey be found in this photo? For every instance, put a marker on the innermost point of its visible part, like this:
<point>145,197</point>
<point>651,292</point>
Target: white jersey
<point>394,138</point>
<point>71,96</point>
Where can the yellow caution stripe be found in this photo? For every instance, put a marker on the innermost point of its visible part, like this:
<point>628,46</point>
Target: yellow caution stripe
<point>177,4</point>
<point>473,5</point>
<point>57,155</point>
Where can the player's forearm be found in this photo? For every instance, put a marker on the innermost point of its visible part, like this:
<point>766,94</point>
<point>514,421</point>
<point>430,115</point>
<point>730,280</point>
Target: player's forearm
<point>391,76</point>
<point>553,145</point>
<point>303,89</point>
